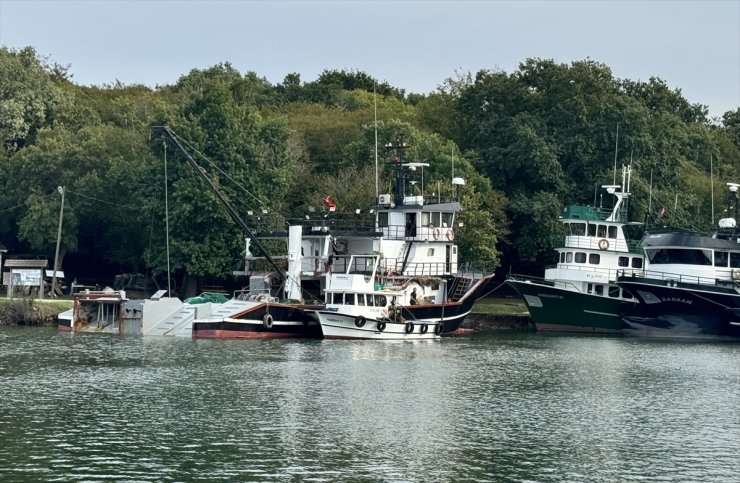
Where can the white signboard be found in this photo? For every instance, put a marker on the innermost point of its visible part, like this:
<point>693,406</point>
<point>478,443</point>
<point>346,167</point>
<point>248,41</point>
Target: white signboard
<point>26,276</point>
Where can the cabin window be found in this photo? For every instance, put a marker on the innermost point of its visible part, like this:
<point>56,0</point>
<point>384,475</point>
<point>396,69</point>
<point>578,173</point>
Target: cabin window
<point>349,299</point>
<point>720,259</point>
<point>337,299</point>
<point>361,299</point>
<point>380,300</point>
<point>580,257</point>
<point>591,229</point>
<point>578,229</point>
<point>613,291</point>
<point>735,260</point>
<point>590,288</point>
<point>430,252</point>
<point>613,232</point>
<point>426,219</point>
<point>599,289</point>
<point>682,256</point>
<point>623,261</point>
<point>562,257</point>
<point>627,295</point>
<point>370,301</point>
<point>637,262</point>
<point>594,259</point>
<point>382,219</point>
<point>601,231</point>
<point>569,257</point>
<point>447,220</point>
<point>435,219</point>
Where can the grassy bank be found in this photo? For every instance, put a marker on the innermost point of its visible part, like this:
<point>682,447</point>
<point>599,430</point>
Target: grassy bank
<point>30,311</point>
<point>500,306</point>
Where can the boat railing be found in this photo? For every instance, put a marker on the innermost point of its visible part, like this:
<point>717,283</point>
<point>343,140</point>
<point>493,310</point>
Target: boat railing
<point>541,281</point>
<point>677,278</point>
<point>595,243</point>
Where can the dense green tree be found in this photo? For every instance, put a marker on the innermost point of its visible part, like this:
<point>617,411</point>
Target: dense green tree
<point>30,99</point>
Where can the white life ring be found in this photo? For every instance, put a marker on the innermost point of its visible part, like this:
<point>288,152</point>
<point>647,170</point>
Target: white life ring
<point>603,244</point>
<point>267,321</point>
<point>435,233</point>
<point>450,234</point>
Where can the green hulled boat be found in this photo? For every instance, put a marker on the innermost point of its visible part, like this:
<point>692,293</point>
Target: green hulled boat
<point>580,293</point>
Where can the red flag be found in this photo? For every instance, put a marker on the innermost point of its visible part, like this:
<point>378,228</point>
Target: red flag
<point>329,202</point>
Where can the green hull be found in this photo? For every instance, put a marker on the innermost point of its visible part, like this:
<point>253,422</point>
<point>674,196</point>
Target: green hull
<point>555,309</point>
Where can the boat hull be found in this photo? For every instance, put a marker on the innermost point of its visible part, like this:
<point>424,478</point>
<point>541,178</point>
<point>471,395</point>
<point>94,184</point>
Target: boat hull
<point>261,321</point>
<point>554,309</point>
<point>341,326</point>
<point>676,310</point>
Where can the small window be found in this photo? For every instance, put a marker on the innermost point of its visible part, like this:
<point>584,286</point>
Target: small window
<point>370,301</point>
<point>613,232</point>
<point>627,295</point>
<point>426,218</point>
<point>613,291</point>
<point>435,219</point>
<point>447,219</point>
<point>594,259</point>
<point>601,231</point>
<point>623,261</point>
<point>562,257</point>
<point>430,252</point>
<point>720,259</point>
<point>380,300</point>
<point>569,257</point>
<point>349,299</point>
<point>637,262</point>
<point>382,219</point>
<point>337,300</point>
<point>735,260</point>
<point>360,299</point>
<point>590,288</point>
<point>599,289</point>
<point>578,229</point>
<point>591,229</point>
<point>580,257</point>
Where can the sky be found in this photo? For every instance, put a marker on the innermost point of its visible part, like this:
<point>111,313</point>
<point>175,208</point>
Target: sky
<point>693,46</point>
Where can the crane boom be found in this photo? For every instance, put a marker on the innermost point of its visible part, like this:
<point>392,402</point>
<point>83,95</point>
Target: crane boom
<point>230,209</point>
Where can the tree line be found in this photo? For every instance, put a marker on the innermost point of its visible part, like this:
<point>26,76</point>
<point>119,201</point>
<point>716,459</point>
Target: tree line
<point>526,142</point>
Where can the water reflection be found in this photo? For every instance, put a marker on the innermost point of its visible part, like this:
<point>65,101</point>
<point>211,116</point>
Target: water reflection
<point>519,407</point>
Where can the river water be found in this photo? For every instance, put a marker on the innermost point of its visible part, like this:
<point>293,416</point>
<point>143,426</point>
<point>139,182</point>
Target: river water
<point>484,407</point>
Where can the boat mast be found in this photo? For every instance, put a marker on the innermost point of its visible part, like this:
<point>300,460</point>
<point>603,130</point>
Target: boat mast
<point>232,212</point>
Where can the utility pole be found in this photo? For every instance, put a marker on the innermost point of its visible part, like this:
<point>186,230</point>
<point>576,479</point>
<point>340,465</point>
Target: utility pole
<point>59,239</point>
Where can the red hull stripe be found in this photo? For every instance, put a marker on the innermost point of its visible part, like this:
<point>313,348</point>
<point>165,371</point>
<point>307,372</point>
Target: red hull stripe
<point>241,334</point>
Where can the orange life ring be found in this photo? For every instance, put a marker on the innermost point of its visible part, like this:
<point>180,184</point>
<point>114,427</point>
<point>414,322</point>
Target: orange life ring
<point>435,233</point>
<point>603,244</point>
<point>450,234</point>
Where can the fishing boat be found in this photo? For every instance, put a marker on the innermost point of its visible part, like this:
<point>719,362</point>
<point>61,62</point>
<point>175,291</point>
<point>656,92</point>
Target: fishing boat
<point>403,279</point>
<point>580,294</point>
<point>690,286</point>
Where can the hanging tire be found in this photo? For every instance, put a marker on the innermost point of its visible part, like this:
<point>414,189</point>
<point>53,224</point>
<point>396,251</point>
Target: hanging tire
<point>267,321</point>
<point>381,326</point>
<point>360,321</point>
<point>439,328</point>
<point>409,327</point>
<point>424,328</point>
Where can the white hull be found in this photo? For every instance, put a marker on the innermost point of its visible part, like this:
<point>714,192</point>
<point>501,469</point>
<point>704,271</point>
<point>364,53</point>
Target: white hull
<point>340,326</point>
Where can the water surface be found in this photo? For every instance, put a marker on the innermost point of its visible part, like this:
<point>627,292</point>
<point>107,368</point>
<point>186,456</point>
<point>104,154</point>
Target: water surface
<point>487,407</point>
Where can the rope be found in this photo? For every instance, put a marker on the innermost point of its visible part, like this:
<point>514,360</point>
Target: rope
<point>489,293</point>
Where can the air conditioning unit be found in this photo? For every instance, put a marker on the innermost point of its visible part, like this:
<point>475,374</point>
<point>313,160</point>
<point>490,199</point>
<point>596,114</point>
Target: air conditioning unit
<point>384,200</point>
